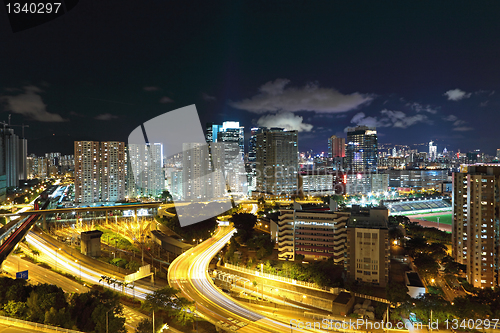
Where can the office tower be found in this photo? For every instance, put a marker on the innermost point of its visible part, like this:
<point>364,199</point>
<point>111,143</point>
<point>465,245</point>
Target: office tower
<point>212,132</point>
<point>87,171</point>
<point>277,162</point>
<point>336,147</point>
<point>252,158</point>
<point>231,131</point>
<point>113,171</point>
<point>313,234</point>
<point>231,136</point>
<point>418,179</point>
<point>368,250</point>
<point>145,168</point>
<point>362,149</point>
<point>432,151</point>
<point>336,152</point>
<point>13,159</point>
<point>379,182</point>
<point>475,225</point>
<point>498,153</point>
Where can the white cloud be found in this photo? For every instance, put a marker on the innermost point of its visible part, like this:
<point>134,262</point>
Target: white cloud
<point>151,88</point>
<point>105,116</point>
<point>397,119</point>
<point>463,129</point>
<point>165,99</point>
<point>285,120</point>
<point>451,117</point>
<point>30,104</point>
<point>401,120</point>
<point>419,107</point>
<point>275,96</point>
<point>456,94</point>
<point>208,97</point>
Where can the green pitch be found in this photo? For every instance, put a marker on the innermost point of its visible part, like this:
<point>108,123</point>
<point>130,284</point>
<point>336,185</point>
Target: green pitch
<point>445,219</point>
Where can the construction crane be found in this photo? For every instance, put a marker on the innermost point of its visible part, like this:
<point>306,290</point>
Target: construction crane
<point>22,126</point>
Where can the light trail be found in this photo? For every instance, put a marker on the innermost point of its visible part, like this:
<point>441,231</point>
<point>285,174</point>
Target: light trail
<point>76,268</point>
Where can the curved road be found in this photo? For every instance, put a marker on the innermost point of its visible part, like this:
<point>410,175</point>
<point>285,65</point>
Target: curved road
<point>188,273</point>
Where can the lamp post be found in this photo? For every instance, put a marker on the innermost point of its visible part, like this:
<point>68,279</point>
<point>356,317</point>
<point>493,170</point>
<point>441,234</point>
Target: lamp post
<point>107,323</point>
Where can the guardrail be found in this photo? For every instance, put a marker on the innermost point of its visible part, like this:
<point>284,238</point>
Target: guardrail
<point>309,285</point>
<point>31,325</point>
<point>282,279</point>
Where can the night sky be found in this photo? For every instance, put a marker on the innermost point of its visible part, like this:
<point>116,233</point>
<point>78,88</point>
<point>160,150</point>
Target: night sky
<point>418,70</point>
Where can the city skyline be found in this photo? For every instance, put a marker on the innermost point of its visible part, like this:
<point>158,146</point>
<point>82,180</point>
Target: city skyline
<point>418,72</point>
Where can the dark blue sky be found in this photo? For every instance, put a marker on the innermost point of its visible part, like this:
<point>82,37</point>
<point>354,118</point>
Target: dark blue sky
<point>419,71</point>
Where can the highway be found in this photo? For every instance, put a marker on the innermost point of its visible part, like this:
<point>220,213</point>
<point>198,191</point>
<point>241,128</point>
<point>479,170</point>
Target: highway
<point>188,273</point>
<point>87,269</point>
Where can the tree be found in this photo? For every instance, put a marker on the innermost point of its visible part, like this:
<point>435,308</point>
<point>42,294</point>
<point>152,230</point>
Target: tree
<point>245,222</point>
<point>426,264</point>
<point>15,309</point>
<point>144,326</point>
<point>397,293</point>
<point>164,298</point>
<point>166,196</point>
<point>89,311</point>
<point>185,314</point>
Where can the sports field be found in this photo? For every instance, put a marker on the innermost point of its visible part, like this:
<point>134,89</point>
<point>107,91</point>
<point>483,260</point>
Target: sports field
<point>443,218</point>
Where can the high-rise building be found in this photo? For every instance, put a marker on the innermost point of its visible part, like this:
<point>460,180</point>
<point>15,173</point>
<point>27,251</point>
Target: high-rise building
<point>336,147</point>
<point>432,151</point>
<point>312,234</point>
<point>336,152</point>
<point>368,249</point>
<point>13,159</point>
<point>113,171</point>
<point>362,149</point>
<point>196,180</point>
<point>252,158</point>
<point>231,136</point>
<point>277,162</point>
<point>498,154</point>
<point>146,161</point>
<point>87,171</point>
<point>212,132</point>
<point>100,171</point>
<point>475,225</point>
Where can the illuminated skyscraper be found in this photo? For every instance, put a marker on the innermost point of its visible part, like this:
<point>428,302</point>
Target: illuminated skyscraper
<point>252,158</point>
<point>336,147</point>
<point>336,151</point>
<point>277,162</point>
<point>432,151</point>
<point>362,149</point>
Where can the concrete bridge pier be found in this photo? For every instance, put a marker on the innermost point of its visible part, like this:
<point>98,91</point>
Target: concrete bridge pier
<point>44,221</point>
